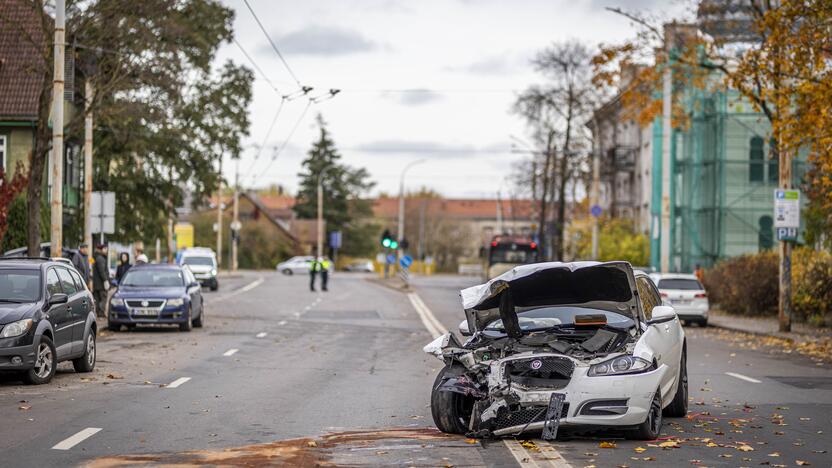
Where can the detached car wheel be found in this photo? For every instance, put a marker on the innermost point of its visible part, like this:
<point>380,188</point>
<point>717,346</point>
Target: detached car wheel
<point>679,406</point>
<point>46,359</point>
<point>86,363</point>
<point>451,411</point>
<point>652,426</point>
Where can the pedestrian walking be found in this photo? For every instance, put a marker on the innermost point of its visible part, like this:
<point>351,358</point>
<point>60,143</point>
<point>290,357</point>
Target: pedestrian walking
<point>123,266</point>
<point>325,264</point>
<point>81,262</point>
<point>100,279</point>
<point>141,259</point>
<point>314,267</point>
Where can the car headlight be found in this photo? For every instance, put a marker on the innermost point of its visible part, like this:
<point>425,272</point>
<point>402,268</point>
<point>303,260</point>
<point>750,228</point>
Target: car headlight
<point>213,272</point>
<point>117,301</point>
<point>16,328</point>
<point>619,366</point>
<point>176,302</point>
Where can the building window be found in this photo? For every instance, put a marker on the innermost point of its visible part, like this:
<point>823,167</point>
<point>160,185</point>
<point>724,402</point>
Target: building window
<point>773,162</point>
<point>3,151</point>
<point>755,156</point>
<point>765,236</point>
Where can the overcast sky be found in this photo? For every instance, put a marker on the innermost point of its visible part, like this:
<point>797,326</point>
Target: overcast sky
<point>426,79</point>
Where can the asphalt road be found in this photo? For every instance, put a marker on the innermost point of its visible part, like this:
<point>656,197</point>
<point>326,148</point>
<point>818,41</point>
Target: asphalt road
<point>280,375</point>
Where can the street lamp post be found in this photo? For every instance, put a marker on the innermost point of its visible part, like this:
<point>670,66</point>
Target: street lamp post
<point>400,231</point>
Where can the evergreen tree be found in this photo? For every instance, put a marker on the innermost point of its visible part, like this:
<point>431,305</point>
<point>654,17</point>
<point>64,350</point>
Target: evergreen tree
<point>344,192</point>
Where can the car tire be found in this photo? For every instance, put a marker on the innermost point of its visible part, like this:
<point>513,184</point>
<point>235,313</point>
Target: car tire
<point>678,408</point>
<point>197,322</point>
<point>703,323</point>
<point>651,428</point>
<point>287,272</point>
<point>113,327</point>
<point>214,286</point>
<point>38,374</point>
<point>86,363</point>
<point>188,325</point>
<point>451,411</point>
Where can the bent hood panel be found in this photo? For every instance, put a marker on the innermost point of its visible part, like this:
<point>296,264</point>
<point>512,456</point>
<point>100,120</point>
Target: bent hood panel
<point>608,286</point>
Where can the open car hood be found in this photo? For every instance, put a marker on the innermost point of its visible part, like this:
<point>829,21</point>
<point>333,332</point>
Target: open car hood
<point>608,286</point>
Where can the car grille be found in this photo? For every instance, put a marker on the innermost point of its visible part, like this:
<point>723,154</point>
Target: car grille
<point>550,371</point>
<point>150,303</point>
<point>525,416</point>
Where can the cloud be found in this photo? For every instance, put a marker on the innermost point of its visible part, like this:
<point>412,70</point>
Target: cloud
<point>322,40</point>
<point>506,63</point>
<point>454,150</point>
<point>413,97</point>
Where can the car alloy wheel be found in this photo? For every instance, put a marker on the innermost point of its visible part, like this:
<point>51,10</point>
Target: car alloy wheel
<point>90,350</point>
<point>655,415</point>
<point>44,361</point>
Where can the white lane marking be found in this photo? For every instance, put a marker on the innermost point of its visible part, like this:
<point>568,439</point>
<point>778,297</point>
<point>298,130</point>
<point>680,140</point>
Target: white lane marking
<point>230,352</point>
<point>76,439</point>
<point>742,377</point>
<point>245,288</point>
<point>428,319</point>
<point>548,456</point>
<point>281,323</point>
<point>262,334</point>
<point>177,382</point>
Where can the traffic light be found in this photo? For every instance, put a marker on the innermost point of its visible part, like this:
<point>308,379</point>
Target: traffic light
<point>404,244</point>
<point>394,245</point>
<point>387,239</point>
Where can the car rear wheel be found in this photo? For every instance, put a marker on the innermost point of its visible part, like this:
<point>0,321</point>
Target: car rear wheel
<point>86,363</point>
<point>652,426</point>
<point>287,272</point>
<point>198,321</point>
<point>45,363</point>
<point>451,411</point>
<point>679,406</point>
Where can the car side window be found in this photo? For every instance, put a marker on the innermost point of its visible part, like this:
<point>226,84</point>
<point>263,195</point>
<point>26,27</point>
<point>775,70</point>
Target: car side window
<point>646,294</point>
<point>79,282</point>
<point>53,284</point>
<point>67,283</point>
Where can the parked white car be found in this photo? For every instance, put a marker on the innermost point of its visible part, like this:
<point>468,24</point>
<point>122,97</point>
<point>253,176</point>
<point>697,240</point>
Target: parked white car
<point>562,345</point>
<point>299,264</point>
<point>686,294</point>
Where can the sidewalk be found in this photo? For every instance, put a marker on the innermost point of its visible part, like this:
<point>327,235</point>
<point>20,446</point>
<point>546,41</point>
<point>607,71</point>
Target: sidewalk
<point>766,326</point>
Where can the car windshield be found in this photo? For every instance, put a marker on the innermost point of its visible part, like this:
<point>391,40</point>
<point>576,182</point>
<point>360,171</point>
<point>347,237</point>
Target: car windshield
<point>19,286</point>
<point>153,277</point>
<point>680,284</point>
<point>201,261</point>
<point>547,317</point>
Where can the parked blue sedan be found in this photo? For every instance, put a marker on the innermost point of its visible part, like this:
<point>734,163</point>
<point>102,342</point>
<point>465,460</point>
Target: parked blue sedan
<point>155,294</point>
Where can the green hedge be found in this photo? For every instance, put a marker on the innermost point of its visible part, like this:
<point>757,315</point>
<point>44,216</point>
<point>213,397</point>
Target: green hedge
<point>749,284</point>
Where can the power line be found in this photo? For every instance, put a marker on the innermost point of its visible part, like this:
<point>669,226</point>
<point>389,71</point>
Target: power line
<point>279,149</point>
<point>266,138</point>
<point>274,46</point>
<point>256,67</point>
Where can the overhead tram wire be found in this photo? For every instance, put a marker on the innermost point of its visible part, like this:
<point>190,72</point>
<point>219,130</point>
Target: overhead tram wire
<point>283,145</point>
<point>274,46</point>
<point>257,67</point>
<point>266,138</point>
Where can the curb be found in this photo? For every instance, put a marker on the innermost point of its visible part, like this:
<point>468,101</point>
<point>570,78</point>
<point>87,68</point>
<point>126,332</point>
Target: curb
<point>389,285</point>
<point>794,336</point>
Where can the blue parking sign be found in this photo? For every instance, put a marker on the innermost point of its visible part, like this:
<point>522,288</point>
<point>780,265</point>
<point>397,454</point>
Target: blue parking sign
<point>406,261</point>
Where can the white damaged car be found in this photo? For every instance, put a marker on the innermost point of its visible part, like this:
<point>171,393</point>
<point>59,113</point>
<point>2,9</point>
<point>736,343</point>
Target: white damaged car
<point>551,345</point>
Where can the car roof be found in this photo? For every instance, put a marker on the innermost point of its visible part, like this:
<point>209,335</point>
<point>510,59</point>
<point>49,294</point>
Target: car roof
<point>156,266</point>
<point>27,262</point>
<point>687,276</point>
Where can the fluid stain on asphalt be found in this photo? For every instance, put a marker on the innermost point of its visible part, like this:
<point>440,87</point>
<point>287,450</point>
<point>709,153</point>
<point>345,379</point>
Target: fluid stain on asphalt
<point>292,452</point>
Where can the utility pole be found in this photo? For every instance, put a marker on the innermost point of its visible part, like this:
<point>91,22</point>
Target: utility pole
<point>320,225</point>
<point>667,96</point>
<point>88,94</point>
<point>57,163</point>
<point>500,214</point>
<point>596,182</point>
<point>219,216</point>
<point>235,224</point>
<point>400,232</point>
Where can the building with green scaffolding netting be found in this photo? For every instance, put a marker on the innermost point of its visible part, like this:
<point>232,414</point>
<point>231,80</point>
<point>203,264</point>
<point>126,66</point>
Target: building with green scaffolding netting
<point>724,170</point>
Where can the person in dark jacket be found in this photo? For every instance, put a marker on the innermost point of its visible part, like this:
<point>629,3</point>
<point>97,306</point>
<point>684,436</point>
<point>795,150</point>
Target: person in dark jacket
<point>123,266</point>
<point>81,262</point>
<point>100,279</point>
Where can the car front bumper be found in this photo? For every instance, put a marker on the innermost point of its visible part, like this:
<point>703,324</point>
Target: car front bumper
<point>691,312</point>
<point>167,316</point>
<point>582,393</point>
<point>12,347</point>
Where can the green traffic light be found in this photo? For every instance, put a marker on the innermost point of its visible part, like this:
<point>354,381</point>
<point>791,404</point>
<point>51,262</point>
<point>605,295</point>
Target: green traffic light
<point>394,245</point>
<point>386,243</point>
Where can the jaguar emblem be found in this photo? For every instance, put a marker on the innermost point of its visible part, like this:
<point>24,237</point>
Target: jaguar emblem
<point>537,364</point>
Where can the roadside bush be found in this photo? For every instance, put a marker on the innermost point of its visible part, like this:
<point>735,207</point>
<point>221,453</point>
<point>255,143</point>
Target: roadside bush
<point>746,285</point>
<point>617,240</point>
<point>812,285</point>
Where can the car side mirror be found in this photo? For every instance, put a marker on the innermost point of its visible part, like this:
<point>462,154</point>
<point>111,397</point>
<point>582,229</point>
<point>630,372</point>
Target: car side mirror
<point>463,328</point>
<point>59,298</point>
<point>662,314</point>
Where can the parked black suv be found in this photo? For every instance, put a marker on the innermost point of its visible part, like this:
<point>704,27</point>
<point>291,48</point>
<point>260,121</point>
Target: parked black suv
<point>46,316</point>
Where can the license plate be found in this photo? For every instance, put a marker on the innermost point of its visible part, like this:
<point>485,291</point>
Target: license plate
<point>145,312</point>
